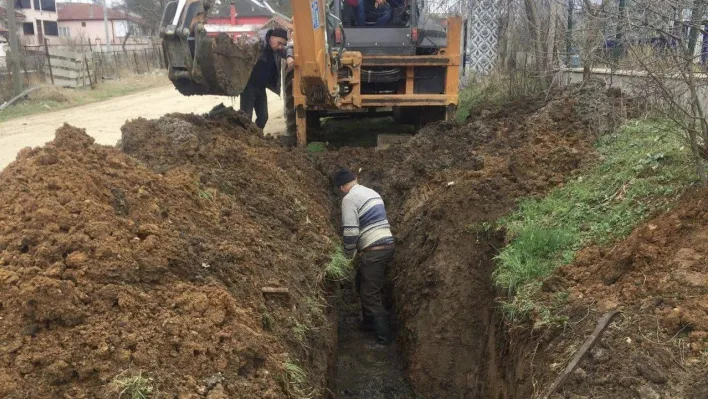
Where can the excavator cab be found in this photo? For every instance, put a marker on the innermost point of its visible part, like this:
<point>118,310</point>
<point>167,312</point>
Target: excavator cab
<point>396,28</point>
<point>351,56</point>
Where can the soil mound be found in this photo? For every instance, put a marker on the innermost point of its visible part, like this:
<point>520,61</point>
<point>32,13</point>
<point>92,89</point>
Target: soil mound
<point>110,268</point>
<point>440,190</point>
<point>658,278</point>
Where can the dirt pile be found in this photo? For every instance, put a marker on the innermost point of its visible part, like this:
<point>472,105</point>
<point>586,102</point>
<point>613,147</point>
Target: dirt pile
<point>110,268</point>
<point>658,278</point>
<point>441,189</point>
<point>227,64</point>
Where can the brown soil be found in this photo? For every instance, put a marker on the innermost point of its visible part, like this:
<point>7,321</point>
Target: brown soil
<point>110,263</point>
<point>659,279</point>
<point>227,65</point>
<point>154,262</point>
<point>439,189</point>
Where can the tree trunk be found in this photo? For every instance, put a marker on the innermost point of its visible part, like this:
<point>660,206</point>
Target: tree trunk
<point>697,12</point>
<point>125,40</point>
<point>551,41</point>
<point>569,32</point>
<point>619,35</point>
<point>535,29</point>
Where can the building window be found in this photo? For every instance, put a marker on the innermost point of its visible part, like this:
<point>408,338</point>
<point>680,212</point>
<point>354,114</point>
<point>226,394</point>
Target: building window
<point>45,5</point>
<point>64,31</point>
<point>28,28</point>
<point>23,4</point>
<point>51,28</point>
<point>83,24</point>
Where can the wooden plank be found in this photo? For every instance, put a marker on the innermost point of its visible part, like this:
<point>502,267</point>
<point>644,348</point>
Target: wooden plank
<point>64,73</point>
<point>62,63</point>
<point>58,53</point>
<point>65,82</point>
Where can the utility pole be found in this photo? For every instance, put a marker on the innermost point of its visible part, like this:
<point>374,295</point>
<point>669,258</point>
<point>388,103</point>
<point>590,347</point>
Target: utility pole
<point>105,25</point>
<point>14,46</point>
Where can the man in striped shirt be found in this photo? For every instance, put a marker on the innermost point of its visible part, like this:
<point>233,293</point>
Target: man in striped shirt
<point>367,232</point>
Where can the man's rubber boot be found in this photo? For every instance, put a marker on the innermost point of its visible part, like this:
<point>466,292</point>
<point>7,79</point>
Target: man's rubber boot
<point>383,330</point>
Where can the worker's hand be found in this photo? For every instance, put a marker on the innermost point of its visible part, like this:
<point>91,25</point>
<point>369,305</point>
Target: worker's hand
<point>291,62</point>
<point>380,3</point>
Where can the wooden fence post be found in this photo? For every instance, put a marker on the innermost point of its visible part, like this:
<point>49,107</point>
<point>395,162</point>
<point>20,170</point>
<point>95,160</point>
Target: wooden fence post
<point>147,62</point>
<point>137,66</point>
<point>88,71</point>
<point>49,59</point>
<point>115,63</point>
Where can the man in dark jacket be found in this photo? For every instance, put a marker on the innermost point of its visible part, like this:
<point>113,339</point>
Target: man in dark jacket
<point>266,74</point>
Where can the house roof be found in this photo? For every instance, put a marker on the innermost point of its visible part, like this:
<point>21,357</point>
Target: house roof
<point>244,8</point>
<point>87,12</point>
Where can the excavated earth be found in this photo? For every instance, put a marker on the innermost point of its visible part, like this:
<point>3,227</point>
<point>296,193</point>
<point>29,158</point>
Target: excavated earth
<point>154,263</point>
<point>658,278</point>
<point>152,257</point>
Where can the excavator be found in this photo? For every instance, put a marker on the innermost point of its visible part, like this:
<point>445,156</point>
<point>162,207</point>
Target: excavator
<point>409,67</point>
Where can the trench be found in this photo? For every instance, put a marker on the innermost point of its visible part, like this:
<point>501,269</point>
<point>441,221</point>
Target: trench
<point>361,372</point>
<point>476,360</point>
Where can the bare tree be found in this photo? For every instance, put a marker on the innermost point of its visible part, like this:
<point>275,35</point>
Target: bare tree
<point>149,11</point>
<point>130,31</point>
<point>675,77</point>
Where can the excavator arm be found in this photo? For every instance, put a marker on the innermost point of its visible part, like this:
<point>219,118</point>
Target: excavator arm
<point>209,59</point>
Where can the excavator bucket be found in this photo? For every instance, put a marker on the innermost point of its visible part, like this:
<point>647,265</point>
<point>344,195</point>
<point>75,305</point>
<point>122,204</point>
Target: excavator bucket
<point>204,59</point>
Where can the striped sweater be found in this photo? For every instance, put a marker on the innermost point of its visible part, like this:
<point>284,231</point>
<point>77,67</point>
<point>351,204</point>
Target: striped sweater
<point>364,220</point>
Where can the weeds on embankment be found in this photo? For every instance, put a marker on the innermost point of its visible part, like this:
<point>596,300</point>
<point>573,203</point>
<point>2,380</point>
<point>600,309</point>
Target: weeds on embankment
<point>642,168</point>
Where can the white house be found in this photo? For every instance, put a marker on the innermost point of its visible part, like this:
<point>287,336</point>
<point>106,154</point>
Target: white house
<point>40,21</point>
<point>85,21</point>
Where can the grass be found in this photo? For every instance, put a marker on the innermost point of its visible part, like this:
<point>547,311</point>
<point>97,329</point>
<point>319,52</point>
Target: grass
<point>316,147</point>
<point>296,381</point>
<point>129,385</point>
<point>340,267</point>
<point>643,166</point>
<point>55,98</point>
<point>493,91</point>
<point>474,95</point>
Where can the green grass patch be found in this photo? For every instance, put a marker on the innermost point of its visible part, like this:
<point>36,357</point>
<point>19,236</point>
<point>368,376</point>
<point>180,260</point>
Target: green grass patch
<point>130,385</point>
<point>316,147</point>
<point>476,95</point>
<point>296,382</point>
<point>494,91</point>
<point>340,267</point>
<point>642,167</point>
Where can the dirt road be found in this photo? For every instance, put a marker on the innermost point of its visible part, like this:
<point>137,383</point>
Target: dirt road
<point>103,120</point>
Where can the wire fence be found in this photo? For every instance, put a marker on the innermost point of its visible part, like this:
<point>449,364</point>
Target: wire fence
<point>36,68</point>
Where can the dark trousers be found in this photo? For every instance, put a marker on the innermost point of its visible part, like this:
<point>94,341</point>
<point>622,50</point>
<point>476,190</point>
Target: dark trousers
<point>255,98</point>
<point>370,282</point>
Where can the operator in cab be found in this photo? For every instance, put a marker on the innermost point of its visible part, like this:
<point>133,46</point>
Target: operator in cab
<point>380,11</point>
<point>266,74</point>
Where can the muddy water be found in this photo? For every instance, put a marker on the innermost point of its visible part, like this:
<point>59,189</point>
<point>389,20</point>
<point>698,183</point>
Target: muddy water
<point>362,372</point>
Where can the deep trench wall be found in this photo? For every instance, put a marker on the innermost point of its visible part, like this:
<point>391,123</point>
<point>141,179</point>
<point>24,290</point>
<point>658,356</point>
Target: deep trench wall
<point>443,191</point>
